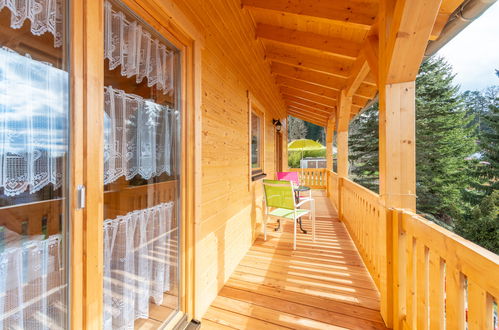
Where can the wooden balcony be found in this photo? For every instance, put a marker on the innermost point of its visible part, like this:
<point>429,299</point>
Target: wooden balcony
<point>317,286</point>
<point>370,267</point>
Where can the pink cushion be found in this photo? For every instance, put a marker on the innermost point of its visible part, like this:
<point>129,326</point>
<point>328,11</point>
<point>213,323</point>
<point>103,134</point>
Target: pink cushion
<point>288,176</point>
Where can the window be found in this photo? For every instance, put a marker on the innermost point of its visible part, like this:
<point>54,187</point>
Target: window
<point>142,145</point>
<point>257,141</point>
<point>34,143</point>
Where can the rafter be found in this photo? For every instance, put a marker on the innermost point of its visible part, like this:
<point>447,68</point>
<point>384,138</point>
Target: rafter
<point>337,46</point>
<point>308,87</point>
<point>309,62</point>
<point>356,12</point>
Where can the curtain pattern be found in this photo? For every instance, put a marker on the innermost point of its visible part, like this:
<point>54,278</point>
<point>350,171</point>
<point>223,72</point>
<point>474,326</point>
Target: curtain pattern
<point>129,45</point>
<point>44,15</point>
<point>31,282</point>
<point>136,264</point>
<point>33,100</point>
<point>137,136</point>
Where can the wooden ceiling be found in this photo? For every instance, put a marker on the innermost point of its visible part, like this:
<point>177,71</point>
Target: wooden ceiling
<point>317,48</point>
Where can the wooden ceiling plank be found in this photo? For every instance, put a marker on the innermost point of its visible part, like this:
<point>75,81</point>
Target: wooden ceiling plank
<point>305,86</point>
<point>337,46</point>
<point>305,118</point>
<point>310,113</point>
<point>360,13</point>
<point>294,99</point>
<point>309,108</point>
<point>309,62</point>
<point>308,96</point>
<point>307,75</point>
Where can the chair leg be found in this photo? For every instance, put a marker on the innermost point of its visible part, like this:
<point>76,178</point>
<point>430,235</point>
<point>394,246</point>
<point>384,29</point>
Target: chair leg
<point>294,234</point>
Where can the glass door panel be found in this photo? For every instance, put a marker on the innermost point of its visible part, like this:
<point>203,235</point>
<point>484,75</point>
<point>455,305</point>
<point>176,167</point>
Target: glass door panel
<point>34,117</point>
<point>141,173</point>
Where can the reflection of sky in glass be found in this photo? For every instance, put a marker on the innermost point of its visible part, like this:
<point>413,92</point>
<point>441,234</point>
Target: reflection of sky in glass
<point>33,103</point>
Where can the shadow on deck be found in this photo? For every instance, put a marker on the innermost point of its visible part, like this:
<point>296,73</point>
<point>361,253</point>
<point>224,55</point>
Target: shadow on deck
<point>321,285</point>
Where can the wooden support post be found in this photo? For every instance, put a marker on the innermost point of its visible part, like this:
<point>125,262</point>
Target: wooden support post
<point>397,147</point>
<point>342,138</point>
<point>329,142</point>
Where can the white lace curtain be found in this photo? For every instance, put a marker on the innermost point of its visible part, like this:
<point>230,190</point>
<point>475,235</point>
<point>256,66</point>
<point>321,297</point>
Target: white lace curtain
<point>32,284</point>
<point>44,15</point>
<point>129,45</point>
<point>33,101</point>
<point>137,136</point>
<point>136,264</point>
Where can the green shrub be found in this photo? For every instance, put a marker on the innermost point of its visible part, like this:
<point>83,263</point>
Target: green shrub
<point>294,157</point>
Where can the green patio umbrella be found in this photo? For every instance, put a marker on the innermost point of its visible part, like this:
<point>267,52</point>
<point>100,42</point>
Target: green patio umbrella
<point>304,144</point>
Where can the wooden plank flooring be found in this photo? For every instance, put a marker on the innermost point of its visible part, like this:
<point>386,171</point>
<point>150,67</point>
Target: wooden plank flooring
<point>321,285</point>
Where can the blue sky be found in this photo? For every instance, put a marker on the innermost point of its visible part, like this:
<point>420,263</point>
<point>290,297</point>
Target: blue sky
<point>474,53</point>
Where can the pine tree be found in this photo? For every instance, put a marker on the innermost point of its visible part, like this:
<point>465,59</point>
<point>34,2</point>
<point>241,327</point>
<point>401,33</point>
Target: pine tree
<point>296,128</point>
<point>363,148</point>
<point>444,142</point>
<point>489,145</point>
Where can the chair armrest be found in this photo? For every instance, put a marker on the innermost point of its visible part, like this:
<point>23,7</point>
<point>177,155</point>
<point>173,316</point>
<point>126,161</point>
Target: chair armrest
<point>304,201</point>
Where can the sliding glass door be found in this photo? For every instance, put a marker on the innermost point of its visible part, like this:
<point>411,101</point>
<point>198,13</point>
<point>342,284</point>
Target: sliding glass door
<point>34,117</point>
<point>141,173</point>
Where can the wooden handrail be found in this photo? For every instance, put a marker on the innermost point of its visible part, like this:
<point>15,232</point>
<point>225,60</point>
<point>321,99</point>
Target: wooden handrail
<point>315,178</point>
<point>423,271</point>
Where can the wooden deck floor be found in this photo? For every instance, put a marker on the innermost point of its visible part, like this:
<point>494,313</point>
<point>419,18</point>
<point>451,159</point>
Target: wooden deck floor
<point>321,285</point>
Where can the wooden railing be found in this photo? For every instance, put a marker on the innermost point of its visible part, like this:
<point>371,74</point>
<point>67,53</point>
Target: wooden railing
<point>315,178</point>
<point>427,276</point>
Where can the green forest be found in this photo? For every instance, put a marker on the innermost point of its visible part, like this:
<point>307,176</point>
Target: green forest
<point>457,152</point>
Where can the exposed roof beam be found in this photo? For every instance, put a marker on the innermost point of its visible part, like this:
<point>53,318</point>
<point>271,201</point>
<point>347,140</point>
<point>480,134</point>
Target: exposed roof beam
<point>408,29</point>
<point>308,96</point>
<point>337,46</point>
<point>309,62</point>
<point>308,87</point>
<point>307,75</point>
<point>357,12</point>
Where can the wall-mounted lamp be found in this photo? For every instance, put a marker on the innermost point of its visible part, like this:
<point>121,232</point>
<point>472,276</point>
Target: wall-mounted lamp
<point>277,124</point>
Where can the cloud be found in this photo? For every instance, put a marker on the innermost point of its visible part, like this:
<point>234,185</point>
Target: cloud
<point>474,53</point>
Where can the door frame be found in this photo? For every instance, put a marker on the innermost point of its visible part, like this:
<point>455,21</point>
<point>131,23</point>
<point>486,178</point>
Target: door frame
<point>86,165</point>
